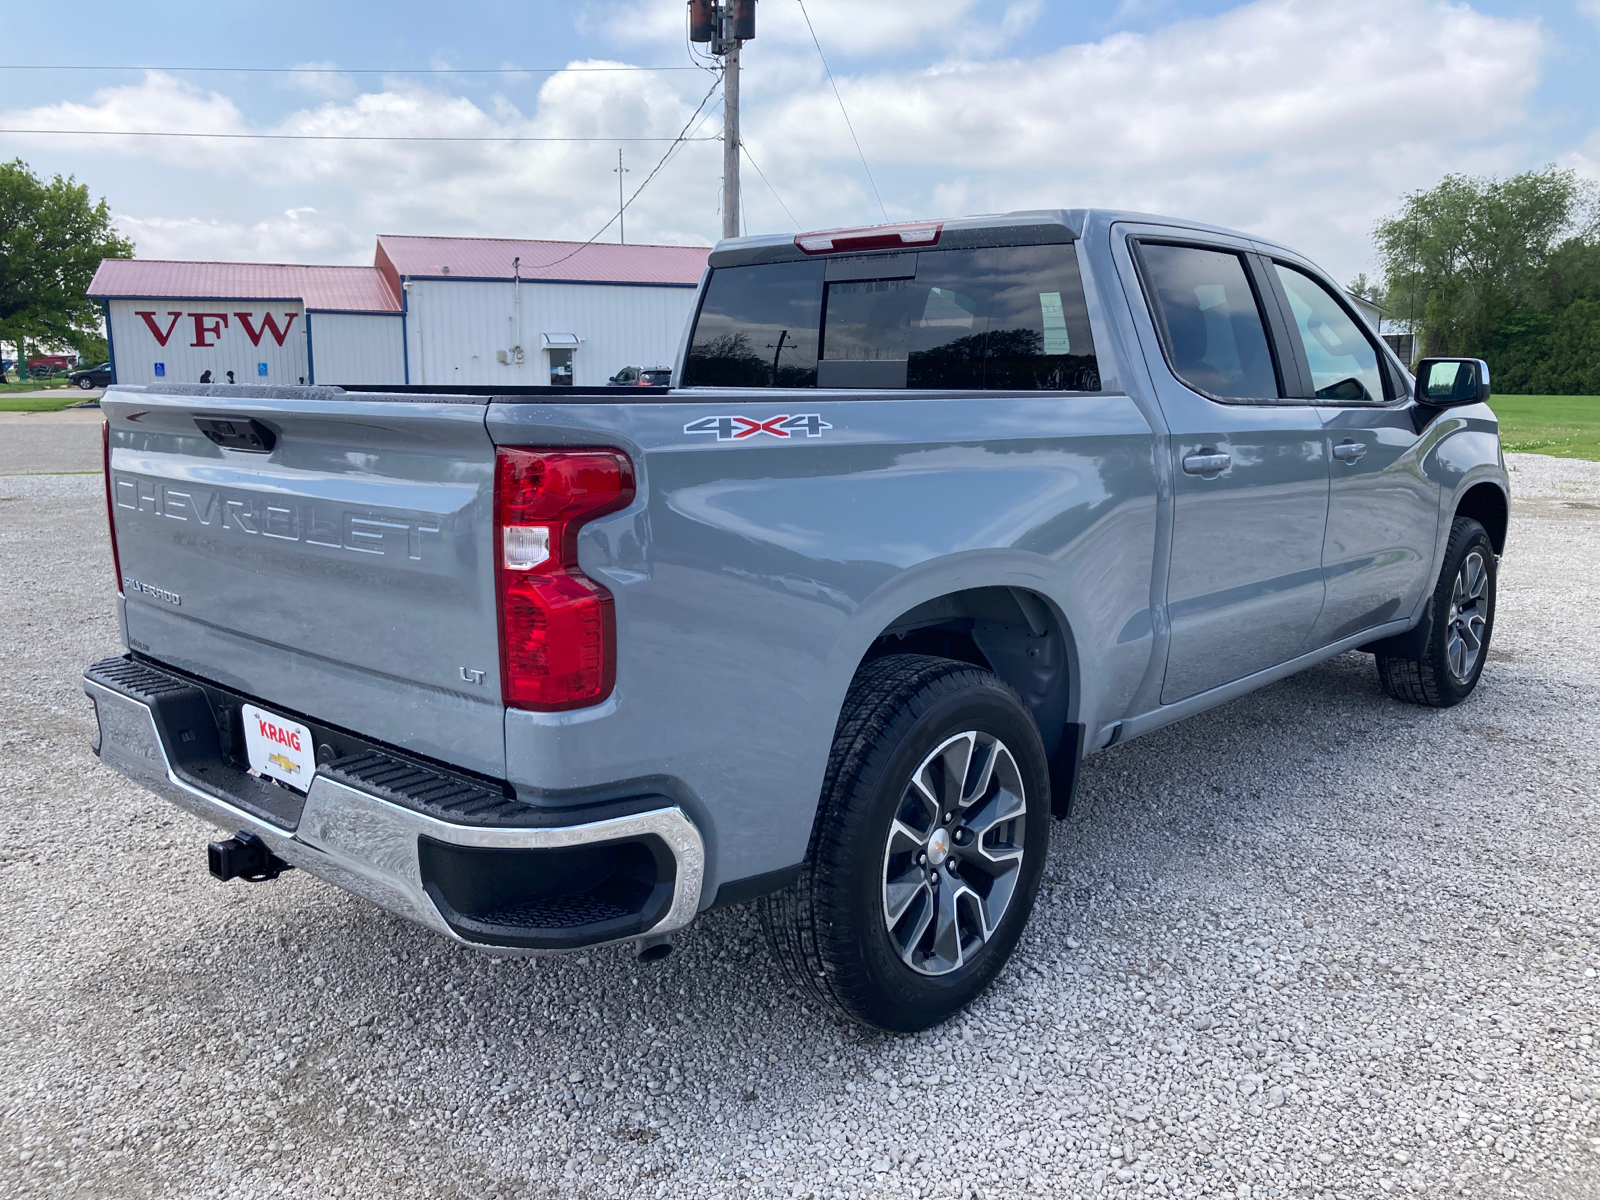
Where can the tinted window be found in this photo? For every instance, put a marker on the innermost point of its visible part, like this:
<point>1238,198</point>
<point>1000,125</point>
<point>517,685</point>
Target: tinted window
<point>1344,363</point>
<point>1038,322</point>
<point>1001,318</point>
<point>1004,318</point>
<point>758,327</point>
<point>1212,321</point>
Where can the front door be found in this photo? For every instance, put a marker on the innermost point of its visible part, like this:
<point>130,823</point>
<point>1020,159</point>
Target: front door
<point>1249,470</point>
<point>1383,510</point>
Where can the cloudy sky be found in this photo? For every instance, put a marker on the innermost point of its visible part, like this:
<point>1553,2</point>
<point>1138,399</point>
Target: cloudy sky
<point>1304,120</point>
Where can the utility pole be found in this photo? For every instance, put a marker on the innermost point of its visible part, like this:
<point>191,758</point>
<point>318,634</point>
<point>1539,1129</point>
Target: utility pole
<point>726,24</point>
<point>730,141</point>
<point>622,225</point>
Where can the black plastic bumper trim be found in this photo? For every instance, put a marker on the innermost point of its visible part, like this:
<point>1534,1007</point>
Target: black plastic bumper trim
<point>737,891</point>
<point>549,899</point>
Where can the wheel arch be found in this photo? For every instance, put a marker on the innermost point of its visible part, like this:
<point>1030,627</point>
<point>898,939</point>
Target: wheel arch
<point>1486,504</point>
<point>1014,631</point>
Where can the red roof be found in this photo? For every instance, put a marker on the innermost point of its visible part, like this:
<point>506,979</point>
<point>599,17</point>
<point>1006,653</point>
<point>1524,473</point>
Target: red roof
<point>490,258</point>
<point>355,289</point>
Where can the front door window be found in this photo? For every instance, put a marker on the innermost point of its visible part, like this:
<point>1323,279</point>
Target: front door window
<point>561,368</point>
<point>1344,363</point>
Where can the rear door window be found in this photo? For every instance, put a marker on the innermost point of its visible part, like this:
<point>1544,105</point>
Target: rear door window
<point>1216,339</point>
<point>1343,360</point>
<point>758,327</point>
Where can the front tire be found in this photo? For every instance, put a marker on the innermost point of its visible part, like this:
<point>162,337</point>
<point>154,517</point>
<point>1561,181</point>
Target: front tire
<point>1445,670</point>
<point>928,846</point>
<point>86,384</point>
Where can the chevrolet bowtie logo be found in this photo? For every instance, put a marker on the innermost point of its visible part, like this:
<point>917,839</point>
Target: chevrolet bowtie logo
<point>284,763</point>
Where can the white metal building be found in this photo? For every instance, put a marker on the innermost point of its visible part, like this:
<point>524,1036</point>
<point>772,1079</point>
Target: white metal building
<point>475,311</point>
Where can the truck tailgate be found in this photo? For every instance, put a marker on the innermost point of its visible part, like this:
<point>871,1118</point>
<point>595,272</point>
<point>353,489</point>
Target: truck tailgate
<point>345,574</point>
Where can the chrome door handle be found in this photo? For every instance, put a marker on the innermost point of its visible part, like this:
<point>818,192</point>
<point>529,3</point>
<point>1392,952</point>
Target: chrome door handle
<point>1208,463</point>
<point>1348,451</point>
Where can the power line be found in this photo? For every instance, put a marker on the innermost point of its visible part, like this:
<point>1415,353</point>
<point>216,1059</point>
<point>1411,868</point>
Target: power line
<point>745,146</point>
<point>840,99</point>
<point>339,137</point>
<point>340,70</point>
<point>672,149</point>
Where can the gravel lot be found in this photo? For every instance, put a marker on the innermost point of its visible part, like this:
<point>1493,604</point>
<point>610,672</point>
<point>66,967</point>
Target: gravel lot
<point>48,443</point>
<point>1314,942</point>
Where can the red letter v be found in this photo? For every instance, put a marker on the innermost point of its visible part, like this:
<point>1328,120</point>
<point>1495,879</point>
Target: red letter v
<point>150,320</point>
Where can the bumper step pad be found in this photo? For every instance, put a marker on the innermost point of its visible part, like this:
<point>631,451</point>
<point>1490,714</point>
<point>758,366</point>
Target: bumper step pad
<point>195,740</point>
<point>434,793</point>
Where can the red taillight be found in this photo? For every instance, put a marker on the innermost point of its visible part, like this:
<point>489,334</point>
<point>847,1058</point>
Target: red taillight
<point>557,629</point>
<point>871,237</point>
<point>111,501</point>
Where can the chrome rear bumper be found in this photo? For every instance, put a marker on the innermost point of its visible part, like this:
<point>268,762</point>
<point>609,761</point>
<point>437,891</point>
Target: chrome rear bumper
<point>369,845</point>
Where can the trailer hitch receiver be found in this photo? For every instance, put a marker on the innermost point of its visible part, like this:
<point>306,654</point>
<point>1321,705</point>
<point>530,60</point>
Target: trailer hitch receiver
<point>244,856</point>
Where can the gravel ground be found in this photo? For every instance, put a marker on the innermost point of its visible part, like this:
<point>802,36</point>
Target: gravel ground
<point>50,443</point>
<point>1313,942</point>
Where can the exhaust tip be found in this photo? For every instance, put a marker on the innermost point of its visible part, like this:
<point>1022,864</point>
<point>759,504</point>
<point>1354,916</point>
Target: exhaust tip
<point>653,949</point>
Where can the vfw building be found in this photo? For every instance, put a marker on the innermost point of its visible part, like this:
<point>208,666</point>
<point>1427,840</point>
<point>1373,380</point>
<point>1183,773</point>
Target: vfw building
<point>480,311</point>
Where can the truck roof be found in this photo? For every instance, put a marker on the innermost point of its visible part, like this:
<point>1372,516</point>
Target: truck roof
<point>1042,226</point>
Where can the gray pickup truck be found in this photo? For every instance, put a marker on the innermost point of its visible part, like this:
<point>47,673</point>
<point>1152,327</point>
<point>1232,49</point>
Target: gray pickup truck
<point>935,511</point>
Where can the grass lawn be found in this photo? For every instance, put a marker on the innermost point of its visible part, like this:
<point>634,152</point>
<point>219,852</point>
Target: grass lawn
<point>1565,426</point>
<point>65,398</point>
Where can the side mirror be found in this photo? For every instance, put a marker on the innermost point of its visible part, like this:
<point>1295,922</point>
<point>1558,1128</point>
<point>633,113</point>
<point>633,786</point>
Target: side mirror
<point>1444,382</point>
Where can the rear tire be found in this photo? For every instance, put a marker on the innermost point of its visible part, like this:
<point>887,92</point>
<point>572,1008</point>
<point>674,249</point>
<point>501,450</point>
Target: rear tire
<point>927,850</point>
<point>1461,616</point>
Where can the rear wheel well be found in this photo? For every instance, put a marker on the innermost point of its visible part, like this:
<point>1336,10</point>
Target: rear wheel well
<point>1486,504</point>
<point>1011,631</point>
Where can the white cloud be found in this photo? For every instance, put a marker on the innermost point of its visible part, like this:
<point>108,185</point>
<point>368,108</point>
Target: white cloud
<point>1590,8</point>
<point>159,103</point>
<point>298,235</point>
<point>428,186</point>
<point>1273,77</point>
<point>1296,119</point>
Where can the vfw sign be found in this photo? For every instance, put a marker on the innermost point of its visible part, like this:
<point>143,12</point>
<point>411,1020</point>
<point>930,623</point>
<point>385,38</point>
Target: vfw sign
<point>201,341</point>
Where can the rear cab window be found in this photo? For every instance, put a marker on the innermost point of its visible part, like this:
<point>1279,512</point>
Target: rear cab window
<point>757,327</point>
<point>1006,318</point>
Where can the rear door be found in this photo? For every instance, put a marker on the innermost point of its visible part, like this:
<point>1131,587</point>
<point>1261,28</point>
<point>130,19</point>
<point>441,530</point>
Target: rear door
<point>330,557</point>
<point>1383,510</point>
<point>1249,464</point>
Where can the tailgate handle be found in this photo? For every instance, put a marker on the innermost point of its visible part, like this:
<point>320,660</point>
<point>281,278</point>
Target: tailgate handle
<point>230,433</point>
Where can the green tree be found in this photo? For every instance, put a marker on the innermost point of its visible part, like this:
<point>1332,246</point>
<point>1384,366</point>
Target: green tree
<point>52,238</point>
<point>1365,289</point>
<point>1468,255</point>
<point>91,349</point>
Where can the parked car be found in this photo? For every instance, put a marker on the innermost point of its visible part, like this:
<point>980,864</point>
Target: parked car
<point>935,512</point>
<point>91,377</point>
<point>642,377</point>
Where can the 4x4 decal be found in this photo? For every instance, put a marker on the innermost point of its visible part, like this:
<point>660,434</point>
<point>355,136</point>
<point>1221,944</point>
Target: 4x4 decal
<point>733,429</point>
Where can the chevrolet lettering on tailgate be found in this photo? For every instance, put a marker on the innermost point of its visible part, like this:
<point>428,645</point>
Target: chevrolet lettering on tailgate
<point>312,523</point>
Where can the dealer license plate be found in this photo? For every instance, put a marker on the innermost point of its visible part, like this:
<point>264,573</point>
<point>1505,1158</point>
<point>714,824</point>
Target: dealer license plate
<point>278,748</point>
